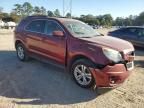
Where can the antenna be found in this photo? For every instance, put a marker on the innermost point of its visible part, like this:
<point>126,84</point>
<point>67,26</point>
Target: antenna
<point>71,7</point>
<point>63,8</point>
<point>67,7</point>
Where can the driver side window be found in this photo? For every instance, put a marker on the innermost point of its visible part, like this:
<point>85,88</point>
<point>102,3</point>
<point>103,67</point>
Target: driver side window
<point>51,27</point>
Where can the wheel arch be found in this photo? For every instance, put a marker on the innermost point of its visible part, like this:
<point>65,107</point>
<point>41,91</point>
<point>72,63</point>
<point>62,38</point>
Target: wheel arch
<point>78,57</point>
<point>92,63</point>
<point>18,42</point>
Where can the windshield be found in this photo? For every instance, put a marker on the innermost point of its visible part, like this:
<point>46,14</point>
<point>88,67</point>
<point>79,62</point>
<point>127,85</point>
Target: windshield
<point>80,29</point>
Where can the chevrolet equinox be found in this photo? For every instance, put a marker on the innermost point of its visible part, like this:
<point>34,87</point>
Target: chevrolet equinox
<point>91,58</point>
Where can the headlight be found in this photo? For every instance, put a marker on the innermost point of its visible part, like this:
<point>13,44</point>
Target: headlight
<point>112,55</point>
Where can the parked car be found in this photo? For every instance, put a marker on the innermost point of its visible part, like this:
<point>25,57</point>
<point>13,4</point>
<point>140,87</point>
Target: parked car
<point>10,24</point>
<point>95,26</point>
<point>132,34</point>
<point>91,58</point>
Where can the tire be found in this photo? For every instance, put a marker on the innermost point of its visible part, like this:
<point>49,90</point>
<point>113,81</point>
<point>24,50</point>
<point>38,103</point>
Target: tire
<point>21,52</point>
<point>83,78</point>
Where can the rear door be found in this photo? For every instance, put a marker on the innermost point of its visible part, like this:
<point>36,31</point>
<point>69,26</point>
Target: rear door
<point>140,37</point>
<point>120,33</point>
<point>34,35</point>
<point>130,34</point>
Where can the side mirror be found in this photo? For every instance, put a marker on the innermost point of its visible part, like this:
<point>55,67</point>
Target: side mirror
<point>58,33</point>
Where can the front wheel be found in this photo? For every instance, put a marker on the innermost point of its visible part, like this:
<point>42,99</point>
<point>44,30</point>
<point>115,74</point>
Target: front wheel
<point>21,52</point>
<point>82,74</point>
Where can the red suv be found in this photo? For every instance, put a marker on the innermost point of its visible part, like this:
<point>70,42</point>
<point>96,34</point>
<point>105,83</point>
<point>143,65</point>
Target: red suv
<point>91,58</point>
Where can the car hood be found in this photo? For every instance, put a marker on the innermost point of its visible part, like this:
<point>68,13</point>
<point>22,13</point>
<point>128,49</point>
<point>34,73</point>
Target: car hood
<point>110,42</point>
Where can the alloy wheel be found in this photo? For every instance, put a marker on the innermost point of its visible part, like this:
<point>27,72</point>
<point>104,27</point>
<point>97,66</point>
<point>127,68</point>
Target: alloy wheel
<point>82,75</point>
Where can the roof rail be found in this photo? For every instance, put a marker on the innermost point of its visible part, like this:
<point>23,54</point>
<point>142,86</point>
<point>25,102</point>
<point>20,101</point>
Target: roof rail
<point>44,16</point>
<point>37,16</point>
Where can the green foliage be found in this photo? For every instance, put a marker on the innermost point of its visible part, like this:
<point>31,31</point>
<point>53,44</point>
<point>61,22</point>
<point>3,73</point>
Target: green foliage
<point>27,9</point>
<point>140,19</point>
<point>50,13</point>
<point>119,21</point>
<point>1,9</point>
<point>15,17</point>
<point>104,20</point>
<point>1,16</point>
<point>18,9</point>
<point>57,13</point>
<point>128,21</point>
<point>43,11</point>
<point>68,15</point>
<point>37,10</point>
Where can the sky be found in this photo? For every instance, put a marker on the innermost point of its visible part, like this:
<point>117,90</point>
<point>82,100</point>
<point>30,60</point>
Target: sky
<point>117,8</point>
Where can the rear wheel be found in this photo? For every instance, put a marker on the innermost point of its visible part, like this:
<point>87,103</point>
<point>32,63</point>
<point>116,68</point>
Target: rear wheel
<point>82,74</point>
<point>21,52</point>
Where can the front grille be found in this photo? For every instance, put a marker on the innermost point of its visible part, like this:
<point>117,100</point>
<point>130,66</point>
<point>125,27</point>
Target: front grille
<point>132,53</point>
<point>129,56</point>
<point>126,58</point>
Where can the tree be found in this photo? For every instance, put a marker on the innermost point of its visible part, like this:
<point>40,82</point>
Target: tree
<point>140,19</point>
<point>27,9</point>
<point>90,19</point>
<point>18,9</point>
<point>89,16</point>
<point>119,21</point>
<point>15,17</point>
<point>23,10</point>
<point>57,13</point>
<point>127,22</point>
<point>1,14</point>
<point>68,15</point>
<point>97,22</point>
<point>82,16</point>
<point>5,14</point>
<point>107,20</point>
<point>1,9</point>
<point>50,13</point>
<point>103,22</point>
<point>37,10</point>
<point>43,11</point>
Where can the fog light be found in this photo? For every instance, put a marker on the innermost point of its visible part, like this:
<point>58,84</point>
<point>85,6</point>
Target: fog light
<point>112,80</point>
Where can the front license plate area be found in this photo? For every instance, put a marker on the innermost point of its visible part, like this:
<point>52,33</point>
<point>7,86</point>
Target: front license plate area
<point>130,65</point>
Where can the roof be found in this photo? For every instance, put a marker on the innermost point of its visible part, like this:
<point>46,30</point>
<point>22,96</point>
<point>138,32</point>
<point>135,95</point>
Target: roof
<point>62,19</point>
<point>135,27</point>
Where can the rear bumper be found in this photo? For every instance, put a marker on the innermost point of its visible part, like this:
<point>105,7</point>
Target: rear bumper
<point>110,76</point>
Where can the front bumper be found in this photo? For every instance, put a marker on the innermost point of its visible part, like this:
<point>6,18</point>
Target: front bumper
<point>110,76</point>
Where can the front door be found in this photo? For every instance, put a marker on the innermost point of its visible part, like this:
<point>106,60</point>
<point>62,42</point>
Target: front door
<point>53,46</point>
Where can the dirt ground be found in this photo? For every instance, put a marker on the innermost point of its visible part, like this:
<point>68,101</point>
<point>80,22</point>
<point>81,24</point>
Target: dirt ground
<point>35,84</point>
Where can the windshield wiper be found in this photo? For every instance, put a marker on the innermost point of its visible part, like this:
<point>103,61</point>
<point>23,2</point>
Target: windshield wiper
<point>85,37</point>
<point>90,36</point>
<point>79,32</point>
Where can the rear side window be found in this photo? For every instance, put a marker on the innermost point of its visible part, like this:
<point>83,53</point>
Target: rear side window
<point>36,26</point>
<point>51,27</point>
<point>132,30</point>
<point>123,30</point>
